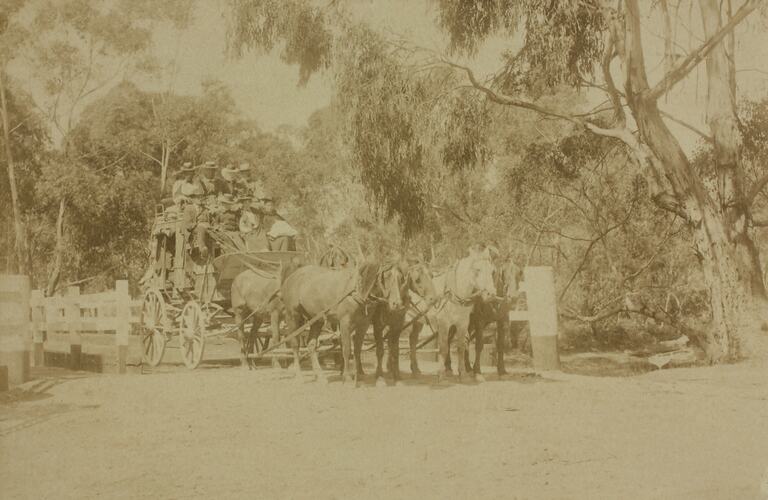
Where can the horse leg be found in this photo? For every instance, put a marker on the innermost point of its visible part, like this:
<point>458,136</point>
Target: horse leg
<point>443,350</point>
<point>312,345</point>
<point>395,327</point>
<point>241,338</point>
<point>478,351</point>
<point>292,322</point>
<point>274,325</point>
<point>252,335</point>
<point>378,331</point>
<point>451,335</point>
<point>345,329</point>
<point>502,330</point>
<point>470,335</point>
<point>413,340</point>
<point>359,335</point>
<point>461,348</point>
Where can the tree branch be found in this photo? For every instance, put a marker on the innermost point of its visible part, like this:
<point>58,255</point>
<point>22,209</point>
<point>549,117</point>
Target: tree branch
<point>685,66</point>
<point>690,127</point>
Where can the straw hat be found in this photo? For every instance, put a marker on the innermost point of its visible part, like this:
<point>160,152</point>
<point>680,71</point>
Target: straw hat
<point>229,172</point>
<point>187,167</point>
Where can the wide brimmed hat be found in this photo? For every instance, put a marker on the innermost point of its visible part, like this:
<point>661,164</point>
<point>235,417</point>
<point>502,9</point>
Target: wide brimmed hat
<point>227,199</point>
<point>210,165</point>
<point>187,167</point>
<point>229,172</point>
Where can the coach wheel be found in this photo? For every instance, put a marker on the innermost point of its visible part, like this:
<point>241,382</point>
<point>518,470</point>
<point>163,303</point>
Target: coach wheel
<point>192,334</point>
<point>154,320</point>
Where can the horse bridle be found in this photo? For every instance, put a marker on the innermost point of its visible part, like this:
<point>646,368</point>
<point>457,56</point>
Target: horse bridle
<point>382,284</point>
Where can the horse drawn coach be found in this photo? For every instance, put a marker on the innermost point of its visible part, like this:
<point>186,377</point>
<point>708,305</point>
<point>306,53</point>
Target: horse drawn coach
<point>193,293</point>
<point>187,293</point>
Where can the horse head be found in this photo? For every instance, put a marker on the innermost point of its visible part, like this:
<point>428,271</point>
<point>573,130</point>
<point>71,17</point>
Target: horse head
<point>392,284</point>
<point>474,274</point>
<point>419,280</point>
<point>507,276</point>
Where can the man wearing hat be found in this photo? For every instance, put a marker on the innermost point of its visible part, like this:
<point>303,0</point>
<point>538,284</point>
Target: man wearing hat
<point>250,225</point>
<point>226,219</point>
<point>281,234</point>
<point>185,192</point>
<point>185,187</point>
<point>211,181</point>
<point>211,186</point>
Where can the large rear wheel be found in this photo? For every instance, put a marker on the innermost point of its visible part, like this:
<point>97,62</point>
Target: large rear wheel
<point>192,326</point>
<point>154,321</point>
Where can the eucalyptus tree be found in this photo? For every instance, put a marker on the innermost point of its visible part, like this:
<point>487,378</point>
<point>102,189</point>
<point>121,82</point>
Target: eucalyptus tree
<point>409,111</point>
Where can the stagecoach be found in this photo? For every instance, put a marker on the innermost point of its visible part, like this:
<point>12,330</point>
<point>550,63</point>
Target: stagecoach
<point>186,298</point>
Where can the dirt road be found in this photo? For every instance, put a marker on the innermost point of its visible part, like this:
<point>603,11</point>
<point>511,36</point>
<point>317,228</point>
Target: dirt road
<point>226,433</point>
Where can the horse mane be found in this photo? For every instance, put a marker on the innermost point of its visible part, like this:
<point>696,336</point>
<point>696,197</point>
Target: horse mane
<point>367,273</point>
<point>335,257</point>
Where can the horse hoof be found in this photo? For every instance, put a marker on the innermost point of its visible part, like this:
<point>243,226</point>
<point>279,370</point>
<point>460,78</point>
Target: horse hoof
<point>479,378</point>
<point>399,383</point>
<point>380,382</point>
<point>415,372</point>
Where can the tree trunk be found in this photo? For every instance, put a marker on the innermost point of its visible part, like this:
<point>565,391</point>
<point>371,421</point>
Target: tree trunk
<point>20,234</point>
<point>742,291</point>
<point>165,158</point>
<point>55,274</point>
<point>729,257</point>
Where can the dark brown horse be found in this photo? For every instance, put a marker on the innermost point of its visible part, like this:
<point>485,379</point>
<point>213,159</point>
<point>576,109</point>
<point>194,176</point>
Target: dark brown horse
<point>342,296</point>
<point>417,280</point>
<point>507,277</point>
<point>466,284</point>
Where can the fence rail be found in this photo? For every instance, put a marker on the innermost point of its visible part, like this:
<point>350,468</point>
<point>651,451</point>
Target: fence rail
<point>75,314</point>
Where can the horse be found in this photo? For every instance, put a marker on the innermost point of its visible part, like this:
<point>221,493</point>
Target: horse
<point>468,282</point>
<point>507,277</point>
<point>418,280</point>
<point>256,294</point>
<point>341,296</point>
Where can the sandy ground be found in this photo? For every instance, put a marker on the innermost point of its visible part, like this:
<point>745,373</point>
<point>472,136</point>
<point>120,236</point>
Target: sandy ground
<point>221,432</point>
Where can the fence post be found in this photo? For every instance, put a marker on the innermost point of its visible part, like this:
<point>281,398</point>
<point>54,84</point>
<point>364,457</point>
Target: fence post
<point>14,329</point>
<point>542,317</point>
<point>37,302</point>
<point>122,322</point>
<point>73,323</point>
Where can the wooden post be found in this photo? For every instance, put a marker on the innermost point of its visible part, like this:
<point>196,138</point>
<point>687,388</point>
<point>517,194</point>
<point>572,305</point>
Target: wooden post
<point>73,324</point>
<point>37,303</point>
<point>15,338</point>
<point>542,317</point>
<point>122,322</point>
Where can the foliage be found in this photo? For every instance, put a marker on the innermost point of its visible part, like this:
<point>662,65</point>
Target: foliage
<point>561,41</point>
<point>301,27</point>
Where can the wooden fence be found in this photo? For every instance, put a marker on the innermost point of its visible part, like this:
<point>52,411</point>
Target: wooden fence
<point>72,315</point>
